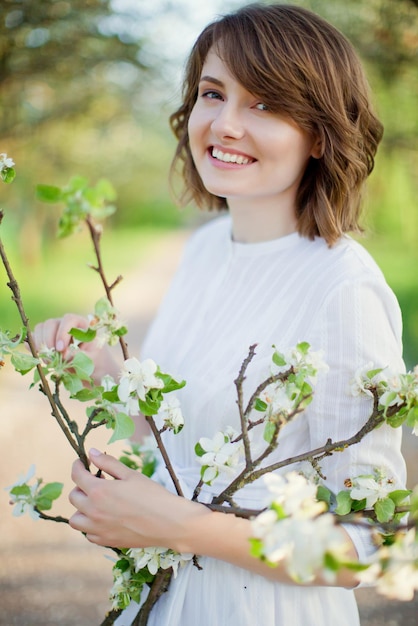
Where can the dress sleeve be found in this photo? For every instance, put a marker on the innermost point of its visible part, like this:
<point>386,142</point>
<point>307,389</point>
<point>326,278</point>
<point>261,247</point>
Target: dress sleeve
<point>359,323</point>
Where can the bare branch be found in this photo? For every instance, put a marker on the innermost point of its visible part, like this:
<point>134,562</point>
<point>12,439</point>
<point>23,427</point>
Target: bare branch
<point>95,235</point>
<point>242,414</point>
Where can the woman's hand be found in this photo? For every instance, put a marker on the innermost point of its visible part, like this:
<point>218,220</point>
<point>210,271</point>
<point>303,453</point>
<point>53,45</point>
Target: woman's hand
<point>54,333</point>
<point>131,511</point>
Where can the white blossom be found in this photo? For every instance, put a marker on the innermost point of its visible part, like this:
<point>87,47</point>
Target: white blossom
<point>294,494</point>
<point>137,379</point>
<point>25,502</point>
<point>394,569</point>
<point>5,162</point>
<point>220,455</point>
<point>120,592</point>
<point>361,382</point>
<point>156,558</point>
<point>279,399</point>
<point>302,357</point>
<point>300,544</point>
<point>371,488</point>
<point>170,411</point>
<point>106,323</point>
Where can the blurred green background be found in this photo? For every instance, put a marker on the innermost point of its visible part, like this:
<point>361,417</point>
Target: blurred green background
<point>86,87</point>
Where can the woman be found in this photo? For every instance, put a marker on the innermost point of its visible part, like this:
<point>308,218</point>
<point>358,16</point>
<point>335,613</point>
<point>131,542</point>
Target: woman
<point>277,127</point>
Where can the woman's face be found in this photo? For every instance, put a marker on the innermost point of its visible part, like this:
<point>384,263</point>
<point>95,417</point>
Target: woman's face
<point>241,150</point>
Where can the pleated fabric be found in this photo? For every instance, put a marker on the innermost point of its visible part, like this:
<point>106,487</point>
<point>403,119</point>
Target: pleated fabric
<point>225,297</point>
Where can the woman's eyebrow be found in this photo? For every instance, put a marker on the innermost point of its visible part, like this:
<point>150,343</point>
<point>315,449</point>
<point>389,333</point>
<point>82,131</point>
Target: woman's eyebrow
<point>211,79</point>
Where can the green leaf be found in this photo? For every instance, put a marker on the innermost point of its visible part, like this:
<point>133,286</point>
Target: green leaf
<point>83,365</point>
<point>269,431</point>
<point>330,562</point>
<point>170,384</point>
<point>372,373</point>
<point>52,491</point>
<point>83,335</point>
<point>148,469</point>
<point>48,193</point>
<point>8,174</point>
<point>279,510</point>
<point>412,417</point>
<point>123,565</point>
<point>259,405</point>
<point>20,490</point>
<point>344,503</point>
<point>102,307</point>
<point>278,359</point>
<point>399,496</point>
<point>199,450</point>
<point>111,395</point>
<point>150,406</point>
<point>124,428</point>
<point>72,383</point>
<point>359,505</point>
<point>256,548</point>
<point>143,576</point>
<point>323,494</point>
<point>131,463</point>
<point>77,183</point>
<point>23,362</point>
<point>106,189</point>
<point>87,393</point>
<point>396,420</point>
<point>303,347</point>
<point>384,510</point>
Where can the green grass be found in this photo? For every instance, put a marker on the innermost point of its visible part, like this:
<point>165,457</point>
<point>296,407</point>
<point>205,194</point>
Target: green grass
<point>60,280</point>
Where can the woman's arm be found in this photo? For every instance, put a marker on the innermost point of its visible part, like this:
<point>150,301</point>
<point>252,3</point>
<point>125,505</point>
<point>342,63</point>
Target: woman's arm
<point>134,511</point>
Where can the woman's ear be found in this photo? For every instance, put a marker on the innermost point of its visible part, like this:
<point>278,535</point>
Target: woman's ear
<point>317,148</point>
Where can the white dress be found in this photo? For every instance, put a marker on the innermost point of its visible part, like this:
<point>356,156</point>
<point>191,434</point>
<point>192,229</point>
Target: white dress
<point>225,297</point>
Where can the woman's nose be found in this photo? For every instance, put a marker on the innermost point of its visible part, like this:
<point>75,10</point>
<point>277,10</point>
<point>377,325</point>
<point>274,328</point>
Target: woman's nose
<point>228,122</point>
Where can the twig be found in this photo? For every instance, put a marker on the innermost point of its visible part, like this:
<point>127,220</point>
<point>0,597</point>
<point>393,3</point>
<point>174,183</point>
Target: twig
<point>95,234</point>
<point>158,587</point>
<point>238,384</point>
<point>111,617</point>
<point>14,287</point>
<point>164,454</point>
<point>52,518</point>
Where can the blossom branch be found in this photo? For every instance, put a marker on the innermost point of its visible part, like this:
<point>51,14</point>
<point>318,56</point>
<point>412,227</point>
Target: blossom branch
<point>243,414</point>
<point>159,586</point>
<point>14,287</point>
<point>375,419</point>
<point>95,234</point>
<point>52,518</point>
<point>248,474</point>
<point>164,454</point>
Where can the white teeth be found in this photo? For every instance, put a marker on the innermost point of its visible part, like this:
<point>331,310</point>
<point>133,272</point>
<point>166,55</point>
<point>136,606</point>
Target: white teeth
<point>226,157</point>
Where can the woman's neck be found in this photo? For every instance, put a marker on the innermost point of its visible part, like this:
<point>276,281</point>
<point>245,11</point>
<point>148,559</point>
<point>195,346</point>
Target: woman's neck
<point>254,224</point>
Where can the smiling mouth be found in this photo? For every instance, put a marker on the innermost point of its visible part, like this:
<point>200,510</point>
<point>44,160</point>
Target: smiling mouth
<point>230,157</point>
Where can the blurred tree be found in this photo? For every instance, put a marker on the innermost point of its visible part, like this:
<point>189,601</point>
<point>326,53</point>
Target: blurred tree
<point>386,35</point>
<point>57,58</point>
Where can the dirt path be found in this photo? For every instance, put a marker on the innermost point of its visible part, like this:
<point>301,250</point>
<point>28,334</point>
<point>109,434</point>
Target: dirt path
<point>50,575</point>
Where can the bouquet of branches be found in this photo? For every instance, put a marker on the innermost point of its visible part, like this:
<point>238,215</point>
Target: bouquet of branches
<point>297,526</point>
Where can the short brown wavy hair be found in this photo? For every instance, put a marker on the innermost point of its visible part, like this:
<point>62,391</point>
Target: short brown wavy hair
<point>300,65</point>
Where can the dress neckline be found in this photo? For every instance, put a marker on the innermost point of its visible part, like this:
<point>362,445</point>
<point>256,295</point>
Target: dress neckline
<point>263,247</point>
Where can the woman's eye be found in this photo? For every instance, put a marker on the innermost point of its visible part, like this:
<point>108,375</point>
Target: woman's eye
<point>262,107</point>
<point>212,95</point>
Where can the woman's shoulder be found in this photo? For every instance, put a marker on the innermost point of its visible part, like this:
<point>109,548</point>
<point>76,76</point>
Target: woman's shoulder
<point>347,260</point>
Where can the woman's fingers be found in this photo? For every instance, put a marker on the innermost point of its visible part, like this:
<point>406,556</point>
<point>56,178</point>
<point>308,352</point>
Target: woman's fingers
<point>54,333</point>
<point>109,464</point>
